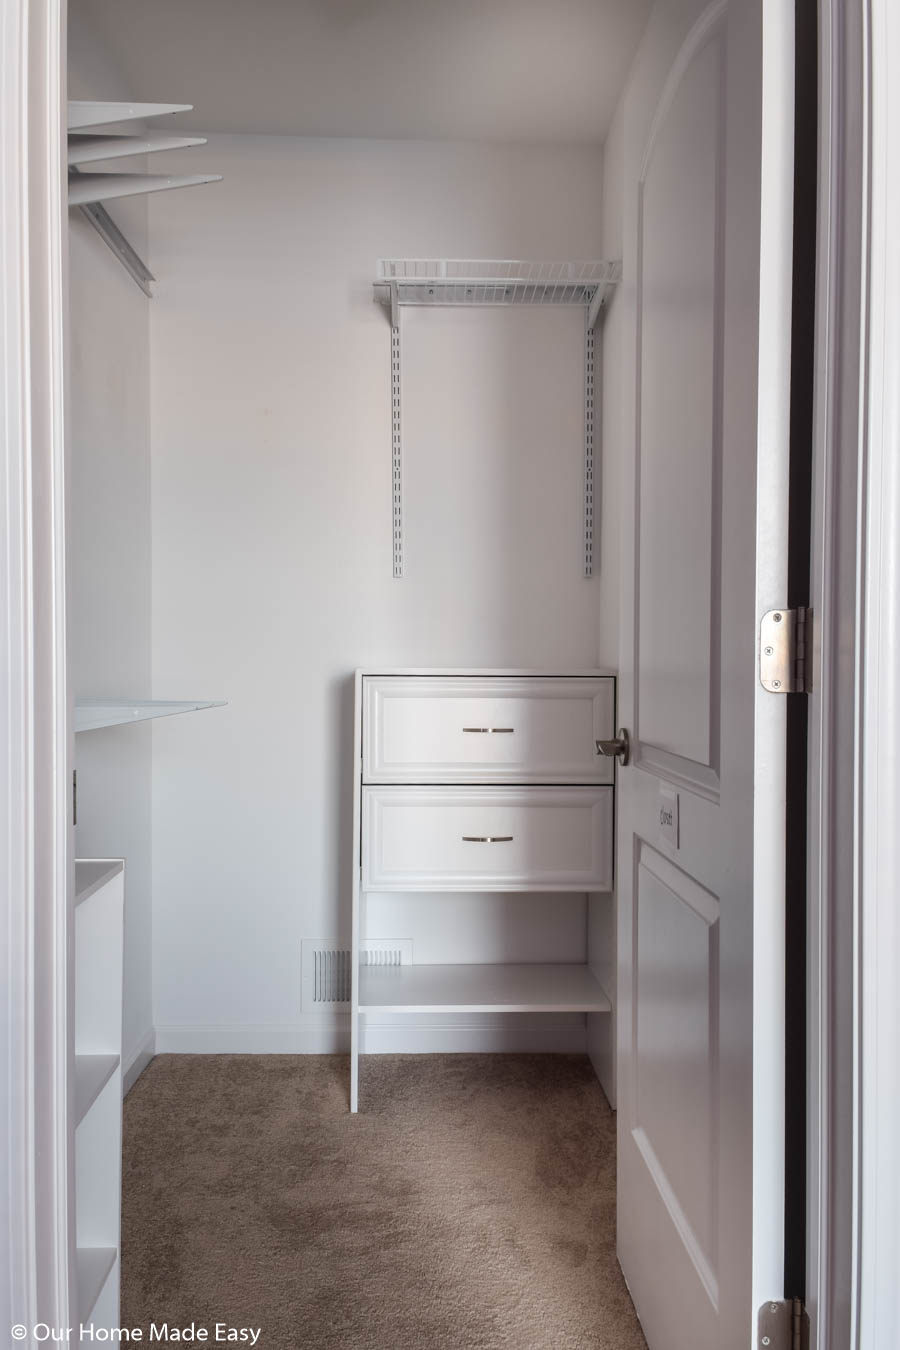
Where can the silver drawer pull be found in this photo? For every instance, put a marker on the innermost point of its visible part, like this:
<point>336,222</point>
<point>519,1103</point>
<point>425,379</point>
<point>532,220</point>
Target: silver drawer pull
<point>487,838</point>
<point>489,731</point>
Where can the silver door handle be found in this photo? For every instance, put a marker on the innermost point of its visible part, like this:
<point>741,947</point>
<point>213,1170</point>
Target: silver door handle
<point>489,731</point>
<point>619,749</point>
<point>487,838</point>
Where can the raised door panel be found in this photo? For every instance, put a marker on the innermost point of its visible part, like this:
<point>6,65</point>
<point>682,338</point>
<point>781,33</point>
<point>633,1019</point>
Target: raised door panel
<point>675,978</point>
<point>489,730</point>
<point>679,446</point>
<point>459,839</point>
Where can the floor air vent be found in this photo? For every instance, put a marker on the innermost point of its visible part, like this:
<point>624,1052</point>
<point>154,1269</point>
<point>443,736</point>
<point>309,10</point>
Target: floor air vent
<point>326,969</point>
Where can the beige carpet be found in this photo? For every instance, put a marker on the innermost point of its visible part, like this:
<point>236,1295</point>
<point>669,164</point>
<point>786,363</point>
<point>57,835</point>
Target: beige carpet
<point>470,1206</point>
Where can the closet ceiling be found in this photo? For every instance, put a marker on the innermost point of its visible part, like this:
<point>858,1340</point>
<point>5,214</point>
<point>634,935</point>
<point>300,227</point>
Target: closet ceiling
<point>534,71</point>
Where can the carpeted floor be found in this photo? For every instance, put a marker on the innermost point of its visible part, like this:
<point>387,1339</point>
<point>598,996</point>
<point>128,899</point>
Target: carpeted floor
<point>470,1206</point>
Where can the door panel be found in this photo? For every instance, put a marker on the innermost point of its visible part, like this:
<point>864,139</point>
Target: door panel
<point>694,1198</point>
<point>680,216</point>
<point>675,1047</point>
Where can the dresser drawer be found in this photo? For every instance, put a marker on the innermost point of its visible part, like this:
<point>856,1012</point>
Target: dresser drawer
<point>480,839</point>
<point>473,729</point>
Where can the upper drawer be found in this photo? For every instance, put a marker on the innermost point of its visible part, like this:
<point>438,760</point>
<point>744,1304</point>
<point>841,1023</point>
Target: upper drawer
<point>491,729</point>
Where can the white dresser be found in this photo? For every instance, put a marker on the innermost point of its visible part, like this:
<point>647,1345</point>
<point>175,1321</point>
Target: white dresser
<point>478,781</point>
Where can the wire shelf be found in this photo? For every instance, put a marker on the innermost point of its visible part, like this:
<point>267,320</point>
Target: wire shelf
<point>492,281</point>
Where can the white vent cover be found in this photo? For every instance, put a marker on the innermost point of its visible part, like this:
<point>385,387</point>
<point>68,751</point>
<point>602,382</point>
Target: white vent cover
<point>326,968</point>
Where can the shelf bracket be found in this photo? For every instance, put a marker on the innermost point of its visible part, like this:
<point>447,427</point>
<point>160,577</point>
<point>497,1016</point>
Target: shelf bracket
<point>396,453</point>
<point>114,239</point>
<point>598,302</point>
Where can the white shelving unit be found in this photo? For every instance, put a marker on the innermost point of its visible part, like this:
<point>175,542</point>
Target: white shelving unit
<point>493,282</point>
<point>99,909</point>
<point>484,781</point>
<point>89,190</point>
<point>93,713</point>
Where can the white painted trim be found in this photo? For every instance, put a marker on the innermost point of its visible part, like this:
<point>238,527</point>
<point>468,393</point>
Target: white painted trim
<point>135,1063</point>
<point>770,712</point>
<point>521,1035</point>
<point>834,705</point>
<point>878,1010</point>
<point>35,743</point>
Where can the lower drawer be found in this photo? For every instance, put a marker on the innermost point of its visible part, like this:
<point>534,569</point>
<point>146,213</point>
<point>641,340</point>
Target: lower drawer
<point>484,839</point>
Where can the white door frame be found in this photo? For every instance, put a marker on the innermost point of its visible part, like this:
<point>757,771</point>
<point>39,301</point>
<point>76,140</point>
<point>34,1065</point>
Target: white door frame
<point>853,1172</point>
<point>36,1246</point>
<point>854,1243</point>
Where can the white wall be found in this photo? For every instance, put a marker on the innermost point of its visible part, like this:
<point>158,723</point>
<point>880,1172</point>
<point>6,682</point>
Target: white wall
<point>272,541</point>
<point>109,540</point>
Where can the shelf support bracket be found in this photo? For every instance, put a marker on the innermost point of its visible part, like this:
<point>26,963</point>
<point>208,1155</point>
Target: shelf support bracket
<point>396,450</point>
<point>598,302</point>
<point>115,240</point>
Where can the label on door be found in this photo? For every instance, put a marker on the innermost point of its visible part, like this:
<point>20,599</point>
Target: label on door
<point>668,817</point>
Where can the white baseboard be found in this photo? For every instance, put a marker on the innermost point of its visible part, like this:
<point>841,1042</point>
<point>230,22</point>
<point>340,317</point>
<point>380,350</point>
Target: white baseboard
<point>136,1063</point>
<point>404,1036</point>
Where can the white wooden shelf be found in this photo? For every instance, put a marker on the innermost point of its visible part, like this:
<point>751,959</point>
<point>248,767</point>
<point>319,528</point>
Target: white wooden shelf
<point>92,1073</point>
<point>87,149</point>
<point>480,989</point>
<point>90,875</point>
<point>93,713</point>
<point>104,187</point>
<point>93,1265</point>
<point>96,1070</point>
<point>90,113</point>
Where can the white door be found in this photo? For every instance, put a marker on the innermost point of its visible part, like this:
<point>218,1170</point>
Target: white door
<point>700,822</point>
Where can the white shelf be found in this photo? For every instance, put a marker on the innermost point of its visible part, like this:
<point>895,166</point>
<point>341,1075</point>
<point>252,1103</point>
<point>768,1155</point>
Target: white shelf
<point>103,187</point>
<point>91,874</point>
<point>93,114</point>
<point>93,1265</point>
<point>87,149</point>
<point>92,1073</point>
<point>492,281</point>
<point>93,713</point>
<point>480,988</point>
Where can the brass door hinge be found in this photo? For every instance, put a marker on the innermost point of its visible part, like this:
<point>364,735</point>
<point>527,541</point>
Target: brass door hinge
<point>785,651</point>
<point>783,1326</point>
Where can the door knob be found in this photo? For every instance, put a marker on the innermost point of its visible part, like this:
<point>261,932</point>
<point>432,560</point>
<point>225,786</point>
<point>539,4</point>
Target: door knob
<point>619,749</point>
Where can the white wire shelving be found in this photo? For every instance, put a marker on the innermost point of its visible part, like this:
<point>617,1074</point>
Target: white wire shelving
<point>493,282</point>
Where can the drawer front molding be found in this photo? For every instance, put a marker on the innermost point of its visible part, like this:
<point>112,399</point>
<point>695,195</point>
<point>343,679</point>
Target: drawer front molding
<point>487,839</point>
<point>486,729</point>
